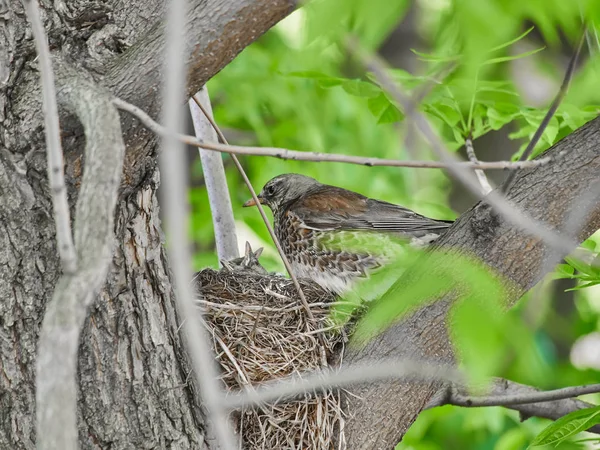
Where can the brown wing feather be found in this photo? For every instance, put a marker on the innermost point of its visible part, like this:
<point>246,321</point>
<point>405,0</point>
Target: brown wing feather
<point>333,200</point>
<point>333,208</point>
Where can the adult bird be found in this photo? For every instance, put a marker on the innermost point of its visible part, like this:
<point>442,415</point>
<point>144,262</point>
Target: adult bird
<point>335,236</point>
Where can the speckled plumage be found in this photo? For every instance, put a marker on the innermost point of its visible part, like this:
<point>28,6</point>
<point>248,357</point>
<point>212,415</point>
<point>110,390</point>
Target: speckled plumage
<point>335,236</point>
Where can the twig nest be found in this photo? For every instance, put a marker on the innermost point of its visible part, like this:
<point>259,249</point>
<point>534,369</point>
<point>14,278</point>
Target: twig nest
<point>261,332</point>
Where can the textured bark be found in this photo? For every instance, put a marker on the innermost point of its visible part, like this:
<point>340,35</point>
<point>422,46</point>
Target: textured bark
<point>134,389</point>
<point>381,413</point>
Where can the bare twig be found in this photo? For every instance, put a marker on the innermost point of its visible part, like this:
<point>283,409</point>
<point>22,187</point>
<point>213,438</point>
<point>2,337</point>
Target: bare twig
<point>486,188</point>
<point>320,381</point>
<point>56,176</point>
<point>501,391</point>
<point>460,398</point>
<point>173,168</point>
<point>265,219</point>
<point>551,111</point>
<point>295,155</point>
<point>216,182</point>
<point>56,380</point>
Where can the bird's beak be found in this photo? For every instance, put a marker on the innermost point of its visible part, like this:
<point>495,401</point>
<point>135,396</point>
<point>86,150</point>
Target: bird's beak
<point>251,202</point>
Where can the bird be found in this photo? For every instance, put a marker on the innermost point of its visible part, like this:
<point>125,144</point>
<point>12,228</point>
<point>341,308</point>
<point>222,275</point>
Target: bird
<point>337,237</point>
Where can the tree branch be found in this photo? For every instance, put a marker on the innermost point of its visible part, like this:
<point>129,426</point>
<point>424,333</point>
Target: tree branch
<point>216,31</point>
<point>564,87</point>
<point>56,381</point>
<point>508,393</point>
<point>56,176</point>
<point>529,401</point>
<point>287,388</point>
<point>214,177</point>
<point>486,188</point>
<point>296,155</point>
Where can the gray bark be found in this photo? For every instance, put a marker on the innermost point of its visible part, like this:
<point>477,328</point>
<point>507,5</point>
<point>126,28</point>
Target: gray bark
<point>381,413</point>
<point>215,180</point>
<point>133,374</point>
<point>134,377</point>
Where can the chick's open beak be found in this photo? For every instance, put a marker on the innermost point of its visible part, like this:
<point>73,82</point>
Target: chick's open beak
<point>251,202</point>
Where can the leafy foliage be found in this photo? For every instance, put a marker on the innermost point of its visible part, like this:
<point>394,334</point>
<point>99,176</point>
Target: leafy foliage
<point>568,426</point>
<point>298,87</point>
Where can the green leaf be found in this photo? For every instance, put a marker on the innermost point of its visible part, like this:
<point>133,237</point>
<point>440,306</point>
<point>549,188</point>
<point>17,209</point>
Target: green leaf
<point>581,266</point>
<point>323,79</point>
<point>502,59</point>
<point>512,41</point>
<point>567,426</point>
<point>564,271</point>
<point>458,137</point>
<point>448,114</point>
<point>377,105</point>
<point>435,58</point>
<point>391,114</point>
<point>361,88</point>
<point>497,119</point>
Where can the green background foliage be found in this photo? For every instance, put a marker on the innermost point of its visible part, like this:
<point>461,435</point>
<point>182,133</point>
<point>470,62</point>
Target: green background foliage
<point>298,87</point>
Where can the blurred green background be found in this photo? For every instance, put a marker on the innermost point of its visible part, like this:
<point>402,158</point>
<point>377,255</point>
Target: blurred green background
<point>487,66</point>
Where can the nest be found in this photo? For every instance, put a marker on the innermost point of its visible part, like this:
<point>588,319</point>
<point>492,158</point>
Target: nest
<point>261,332</point>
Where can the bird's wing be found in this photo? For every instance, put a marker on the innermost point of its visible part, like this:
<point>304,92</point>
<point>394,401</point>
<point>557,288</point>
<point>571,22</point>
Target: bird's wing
<point>335,208</point>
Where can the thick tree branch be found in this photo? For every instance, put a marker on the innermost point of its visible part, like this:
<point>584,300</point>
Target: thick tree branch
<point>56,381</point>
<point>382,413</point>
<point>216,32</point>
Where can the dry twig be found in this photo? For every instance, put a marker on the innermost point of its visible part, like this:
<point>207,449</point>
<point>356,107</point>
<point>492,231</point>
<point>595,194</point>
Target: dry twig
<point>564,87</point>
<point>295,155</point>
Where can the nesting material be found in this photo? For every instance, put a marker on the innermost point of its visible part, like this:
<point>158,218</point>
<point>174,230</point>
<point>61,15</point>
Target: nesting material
<point>261,332</point>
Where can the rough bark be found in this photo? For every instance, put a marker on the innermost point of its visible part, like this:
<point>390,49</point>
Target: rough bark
<point>381,413</point>
<point>134,390</point>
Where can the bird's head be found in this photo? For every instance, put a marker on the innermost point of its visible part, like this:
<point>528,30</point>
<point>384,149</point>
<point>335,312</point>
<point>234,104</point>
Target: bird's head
<point>284,189</point>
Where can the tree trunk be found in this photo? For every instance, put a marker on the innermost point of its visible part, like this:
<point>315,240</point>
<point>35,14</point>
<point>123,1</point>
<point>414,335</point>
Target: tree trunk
<point>135,388</point>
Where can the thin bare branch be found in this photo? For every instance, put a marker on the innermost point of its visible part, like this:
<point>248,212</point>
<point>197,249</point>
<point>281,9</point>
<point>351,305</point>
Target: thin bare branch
<point>486,187</point>
<point>215,180</point>
<point>56,379</point>
<point>295,155</point>
<point>460,398</point>
<point>56,176</point>
<point>287,388</point>
<point>265,219</point>
<point>500,389</point>
<point>173,168</point>
<point>564,87</point>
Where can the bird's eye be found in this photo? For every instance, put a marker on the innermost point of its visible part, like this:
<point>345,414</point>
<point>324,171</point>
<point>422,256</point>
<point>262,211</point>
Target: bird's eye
<point>270,190</point>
